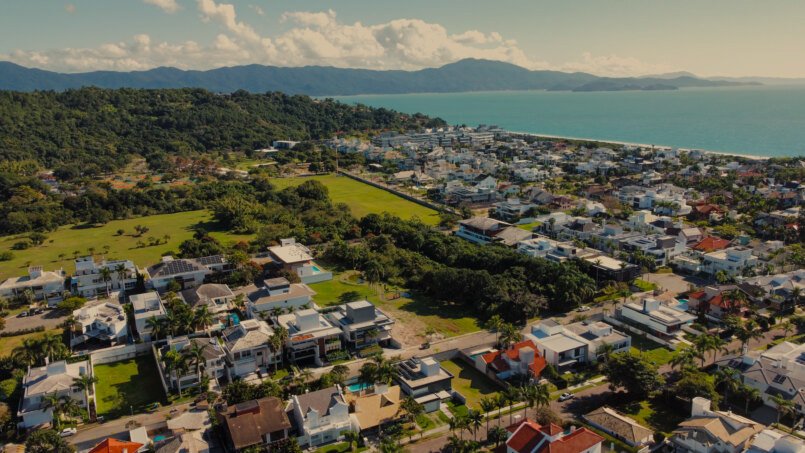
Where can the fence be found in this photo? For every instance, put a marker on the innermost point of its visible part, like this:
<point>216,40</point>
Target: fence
<point>118,353</point>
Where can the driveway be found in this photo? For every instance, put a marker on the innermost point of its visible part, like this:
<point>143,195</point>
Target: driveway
<point>50,319</point>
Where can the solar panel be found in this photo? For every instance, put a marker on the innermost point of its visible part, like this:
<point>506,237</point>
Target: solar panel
<point>779,379</point>
<point>207,260</point>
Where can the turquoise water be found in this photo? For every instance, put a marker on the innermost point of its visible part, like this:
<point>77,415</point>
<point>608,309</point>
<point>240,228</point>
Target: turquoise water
<point>762,121</point>
<point>316,269</point>
<point>357,387</point>
<point>159,438</point>
<point>683,305</point>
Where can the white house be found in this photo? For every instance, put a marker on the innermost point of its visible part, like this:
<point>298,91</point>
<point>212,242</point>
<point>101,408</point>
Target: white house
<point>732,260</point>
<point>321,416</point>
<point>213,361</point>
<point>55,378</point>
<point>709,431</point>
<point>88,279</point>
<point>654,317</point>
<point>187,273</point>
<point>43,285</point>
<point>102,320</point>
<point>362,324</point>
<point>279,293</point>
<point>581,342</point>
<point>295,257</point>
<point>311,337</point>
<point>145,306</point>
<point>247,349</point>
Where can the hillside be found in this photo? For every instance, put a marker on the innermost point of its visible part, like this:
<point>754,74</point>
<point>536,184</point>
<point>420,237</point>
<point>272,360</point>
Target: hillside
<point>464,75</point>
<point>92,130</point>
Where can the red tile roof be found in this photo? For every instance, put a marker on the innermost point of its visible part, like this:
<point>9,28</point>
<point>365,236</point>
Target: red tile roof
<point>711,244</point>
<point>528,435</point>
<point>116,446</point>
<point>496,360</point>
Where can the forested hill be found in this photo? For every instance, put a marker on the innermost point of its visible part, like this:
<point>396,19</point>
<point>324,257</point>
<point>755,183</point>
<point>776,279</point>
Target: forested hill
<point>93,130</point>
<point>463,75</point>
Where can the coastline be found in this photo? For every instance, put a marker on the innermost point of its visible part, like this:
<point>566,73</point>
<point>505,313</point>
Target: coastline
<point>645,145</point>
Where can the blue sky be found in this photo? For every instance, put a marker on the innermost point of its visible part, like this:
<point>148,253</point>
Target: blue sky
<point>615,37</point>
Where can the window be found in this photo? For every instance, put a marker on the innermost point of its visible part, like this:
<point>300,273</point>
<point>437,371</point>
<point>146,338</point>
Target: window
<point>779,379</point>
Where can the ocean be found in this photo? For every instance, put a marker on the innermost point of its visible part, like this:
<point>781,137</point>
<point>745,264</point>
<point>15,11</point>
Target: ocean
<point>764,121</point>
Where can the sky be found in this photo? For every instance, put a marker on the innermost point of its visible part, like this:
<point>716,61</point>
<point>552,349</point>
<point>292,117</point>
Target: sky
<point>604,37</point>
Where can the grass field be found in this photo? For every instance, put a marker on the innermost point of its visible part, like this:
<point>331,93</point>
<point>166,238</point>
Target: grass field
<point>654,352</point>
<point>364,199</point>
<point>7,344</point>
<point>413,314</point>
<point>127,385</point>
<point>68,239</point>
<point>470,382</point>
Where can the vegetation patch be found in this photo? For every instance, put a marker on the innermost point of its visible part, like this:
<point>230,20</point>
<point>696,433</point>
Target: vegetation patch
<point>470,383</point>
<point>127,386</point>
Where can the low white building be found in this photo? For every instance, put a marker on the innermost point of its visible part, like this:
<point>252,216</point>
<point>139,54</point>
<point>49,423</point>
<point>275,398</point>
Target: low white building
<point>295,257</point>
<point>321,416</point>
<point>41,284</point>
<point>57,378</point>
<point>102,320</point>
<point>655,318</point>
<point>146,306</point>
<point>213,361</point>
<point>581,342</point>
<point>279,293</point>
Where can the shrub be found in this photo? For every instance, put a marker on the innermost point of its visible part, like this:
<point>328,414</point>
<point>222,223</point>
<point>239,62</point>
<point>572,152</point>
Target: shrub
<point>6,255</point>
<point>21,245</point>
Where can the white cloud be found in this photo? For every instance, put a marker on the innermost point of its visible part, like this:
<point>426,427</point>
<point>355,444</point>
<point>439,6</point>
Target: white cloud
<point>614,66</point>
<point>169,6</point>
<point>258,10</point>
<point>314,38</point>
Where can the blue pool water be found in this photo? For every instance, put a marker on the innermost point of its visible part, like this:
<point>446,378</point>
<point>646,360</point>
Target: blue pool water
<point>158,438</point>
<point>316,269</point>
<point>683,305</point>
<point>357,387</point>
<point>234,319</point>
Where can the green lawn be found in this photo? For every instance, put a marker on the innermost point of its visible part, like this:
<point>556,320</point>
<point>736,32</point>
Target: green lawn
<point>652,413</point>
<point>127,385</point>
<point>655,352</point>
<point>471,383</point>
<point>364,199</point>
<point>7,344</point>
<point>68,239</point>
<point>644,285</point>
<point>415,310</point>
<point>529,226</point>
<point>341,447</point>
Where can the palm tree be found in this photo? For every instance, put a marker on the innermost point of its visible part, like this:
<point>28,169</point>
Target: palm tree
<point>51,401</point>
<point>784,407</point>
<point>202,317</point>
<point>121,271</point>
<point>787,327</point>
<point>748,331</point>
<point>501,401</point>
<point>543,395</point>
<point>474,421</point>
<point>749,395</point>
<point>497,435</point>
<point>106,276</point>
<point>455,443</point>
<point>340,373</point>
<point>85,383</point>
<point>488,404</point>
<point>196,356</point>
<point>728,378</point>
<point>509,335</point>
<point>682,358</point>
<point>352,438</point>
<point>156,326</point>
<point>512,396</point>
<point>494,323</point>
<point>275,344</point>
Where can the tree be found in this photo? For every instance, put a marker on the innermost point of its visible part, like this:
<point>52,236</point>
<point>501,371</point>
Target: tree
<point>512,396</point>
<point>71,303</point>
<point>47,441</point>
<point>488,404</point>
<point>749,395</point>
<point>634,373</point>
<point>196,356</point>
<point>748,331</point>
<point>695,383</point>
<point>351,438</point>
<point>727,378</point>
<point>85,383</point>
<point>202,318</point>
<point>494,323</point>
<point>106,276</point>
<point>474,420</point>
<point>156,326</point>
<point>683,358</point>
<point>784,406</point>
<point>509,335</point>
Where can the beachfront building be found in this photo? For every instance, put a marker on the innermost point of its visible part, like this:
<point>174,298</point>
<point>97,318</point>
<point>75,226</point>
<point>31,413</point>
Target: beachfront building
<point>320,417</point>
<point>294,257</point>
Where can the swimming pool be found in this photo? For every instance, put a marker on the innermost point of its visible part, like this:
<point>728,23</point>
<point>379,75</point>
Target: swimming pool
<point>683,305</point>
<point>316,268</point>
<point>159,438</point>
<point>234,319</point>
<point>357,387</point>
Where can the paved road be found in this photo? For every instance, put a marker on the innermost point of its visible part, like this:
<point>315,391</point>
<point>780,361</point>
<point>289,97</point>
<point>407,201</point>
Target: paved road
<point>50,319</point>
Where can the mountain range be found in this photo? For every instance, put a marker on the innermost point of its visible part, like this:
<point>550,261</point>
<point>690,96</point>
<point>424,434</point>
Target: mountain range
<point>463,75</point>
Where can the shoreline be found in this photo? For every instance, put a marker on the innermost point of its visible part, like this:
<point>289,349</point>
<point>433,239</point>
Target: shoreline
<point>645,145</point>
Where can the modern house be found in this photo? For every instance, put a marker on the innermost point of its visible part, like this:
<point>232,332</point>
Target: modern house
<point>256,423</point>
<point>56,378</point>
<point>519,360</point>
<point>653,317</point>
<point>101,320</point>
<point>88,278</point>
<point>620,426</point>
<point>279,293</point>
<point>716,302</point>
<point>374,407</point>
<point>186,272</point>
<point>425,381</point>
<point>362,324</point>
<point>216,297</point>
<point>145,306</point>
<point>603,268</point>
<point>578,343</point>
<point>483,230</point>
<point>247,349</point>
<point>294,257</point>
<point>771,440</point>
<point>709,431</point>
<point>40,284</point>
<point>321,416</point>
<point>732,261</point>
<point>528,436</point>
<point>213,361</point>
<point>311,337</point>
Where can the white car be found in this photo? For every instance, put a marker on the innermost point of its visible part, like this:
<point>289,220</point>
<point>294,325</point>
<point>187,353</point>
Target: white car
<point>67,432</point>
<point>565,397</point>
<point>583,308</point>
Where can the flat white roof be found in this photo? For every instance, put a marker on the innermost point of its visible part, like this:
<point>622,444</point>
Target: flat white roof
<point>290,253</point>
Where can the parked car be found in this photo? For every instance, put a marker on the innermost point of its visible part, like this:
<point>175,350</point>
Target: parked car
<point>425,345</point>
<point>67,432</point>
<point>583,308</point>
<point>22,314</point>
<point>565,396</point>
